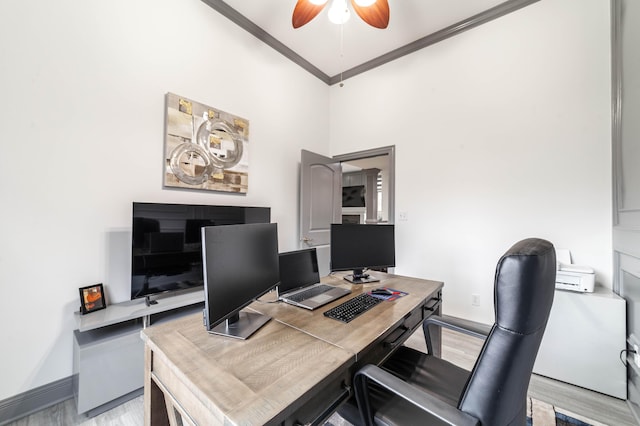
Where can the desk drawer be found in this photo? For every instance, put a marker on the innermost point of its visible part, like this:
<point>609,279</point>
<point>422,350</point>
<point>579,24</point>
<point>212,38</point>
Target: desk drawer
<point>390,341</point>
<point>323,404</point>
<point>411,322</point>
<point>433,305</point>
<point>384,346</point>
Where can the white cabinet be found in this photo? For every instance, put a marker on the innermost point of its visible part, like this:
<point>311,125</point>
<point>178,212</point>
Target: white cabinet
<point>108,364</point>
<point>108,352</point>
<point>583,340</point>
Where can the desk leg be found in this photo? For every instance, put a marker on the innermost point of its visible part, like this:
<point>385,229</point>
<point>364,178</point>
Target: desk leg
<point>436,333</point>
<point>155,410</point>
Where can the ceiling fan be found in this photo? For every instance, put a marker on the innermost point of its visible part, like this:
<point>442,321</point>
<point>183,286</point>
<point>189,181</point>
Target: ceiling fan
<point>373,12</point>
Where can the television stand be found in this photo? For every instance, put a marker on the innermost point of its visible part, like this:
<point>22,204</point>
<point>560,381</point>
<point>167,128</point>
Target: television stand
<point>108,353</point>
<point>149,302</point>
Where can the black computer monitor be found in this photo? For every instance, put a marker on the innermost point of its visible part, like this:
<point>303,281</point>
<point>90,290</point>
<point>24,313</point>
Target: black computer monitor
<point>298,269</point>
<point>360,246</point>
<point>240,265</point>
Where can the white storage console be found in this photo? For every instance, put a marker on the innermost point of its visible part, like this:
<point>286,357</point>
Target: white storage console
<point>108,353</point>
<point>583,340</point>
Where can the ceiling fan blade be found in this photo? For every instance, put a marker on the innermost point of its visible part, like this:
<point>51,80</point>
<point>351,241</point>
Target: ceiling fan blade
<point>304,12</point>
<point>376,15</point>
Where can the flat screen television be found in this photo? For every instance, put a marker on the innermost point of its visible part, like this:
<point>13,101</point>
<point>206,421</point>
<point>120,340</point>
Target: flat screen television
<point>353,196</point>
<point>166,248</point>
<point>240,265</point>
<point>358,247</point>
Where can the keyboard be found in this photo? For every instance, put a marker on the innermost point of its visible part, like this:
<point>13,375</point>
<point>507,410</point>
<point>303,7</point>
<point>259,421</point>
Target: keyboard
<point>307,294</point>
<point>350,309</point>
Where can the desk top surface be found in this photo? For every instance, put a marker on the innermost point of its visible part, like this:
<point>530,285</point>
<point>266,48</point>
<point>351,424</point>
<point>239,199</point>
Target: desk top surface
<point>356,335</point>
<point>246,381</point>
<point>256,381</point>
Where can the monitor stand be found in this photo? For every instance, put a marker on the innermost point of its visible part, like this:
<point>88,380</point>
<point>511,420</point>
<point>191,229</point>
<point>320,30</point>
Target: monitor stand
<point>241,326</point>
<point>359,277</point>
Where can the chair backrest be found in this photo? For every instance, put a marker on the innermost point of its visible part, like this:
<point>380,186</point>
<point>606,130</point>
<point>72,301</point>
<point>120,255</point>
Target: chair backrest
<point>524,287</point>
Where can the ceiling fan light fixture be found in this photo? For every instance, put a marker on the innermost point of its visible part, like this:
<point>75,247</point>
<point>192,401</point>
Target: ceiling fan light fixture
<point>339,12</point>
<point>373,12</point>
<point>365,3</point>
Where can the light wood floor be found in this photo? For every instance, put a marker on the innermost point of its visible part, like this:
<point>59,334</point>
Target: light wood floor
<point>456,348</point>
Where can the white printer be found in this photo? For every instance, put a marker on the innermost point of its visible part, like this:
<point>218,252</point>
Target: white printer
<point>573,277</point>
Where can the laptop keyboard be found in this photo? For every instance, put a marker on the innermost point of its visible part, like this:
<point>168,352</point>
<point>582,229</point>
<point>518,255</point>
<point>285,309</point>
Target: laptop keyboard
<point>350,309</point>
<point>307,294</point>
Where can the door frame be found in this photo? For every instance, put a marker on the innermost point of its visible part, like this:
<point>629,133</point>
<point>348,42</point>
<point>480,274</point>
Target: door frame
<point>377,152</point>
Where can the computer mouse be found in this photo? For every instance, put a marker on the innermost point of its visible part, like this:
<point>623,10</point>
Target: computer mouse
<point>382,292</point>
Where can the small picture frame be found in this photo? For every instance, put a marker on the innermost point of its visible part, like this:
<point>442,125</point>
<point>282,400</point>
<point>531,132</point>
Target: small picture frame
<point>92,298</point>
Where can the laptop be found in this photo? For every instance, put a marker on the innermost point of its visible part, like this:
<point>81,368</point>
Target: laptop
<point>300,281</point>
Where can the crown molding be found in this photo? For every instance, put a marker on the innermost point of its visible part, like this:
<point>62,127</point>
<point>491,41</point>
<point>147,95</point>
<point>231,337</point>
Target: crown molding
<point>450,31</point>
<point>243,22</point>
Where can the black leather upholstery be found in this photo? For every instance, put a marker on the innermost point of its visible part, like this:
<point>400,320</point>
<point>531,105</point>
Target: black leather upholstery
<point>434,391</point>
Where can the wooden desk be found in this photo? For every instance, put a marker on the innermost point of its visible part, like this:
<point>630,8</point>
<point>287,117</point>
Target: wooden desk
<point>295,370</point>
<point>389,322</point>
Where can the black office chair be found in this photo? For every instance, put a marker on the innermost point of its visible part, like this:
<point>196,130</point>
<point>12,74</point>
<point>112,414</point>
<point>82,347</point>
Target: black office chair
<point>415,388</point>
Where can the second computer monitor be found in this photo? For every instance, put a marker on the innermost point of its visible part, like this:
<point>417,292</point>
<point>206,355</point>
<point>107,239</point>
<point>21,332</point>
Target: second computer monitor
<point>358,247</point>
<point>240,264</point>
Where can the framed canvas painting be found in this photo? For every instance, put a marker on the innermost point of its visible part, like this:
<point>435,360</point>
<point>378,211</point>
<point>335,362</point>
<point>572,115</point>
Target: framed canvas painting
<point>205,148</point>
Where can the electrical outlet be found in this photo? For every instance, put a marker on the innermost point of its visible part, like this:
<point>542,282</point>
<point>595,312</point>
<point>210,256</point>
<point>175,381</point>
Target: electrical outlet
<point>475,300</point>
<point>636,356</point>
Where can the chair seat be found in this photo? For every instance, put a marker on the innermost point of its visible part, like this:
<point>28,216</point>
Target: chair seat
<point>435,376</point>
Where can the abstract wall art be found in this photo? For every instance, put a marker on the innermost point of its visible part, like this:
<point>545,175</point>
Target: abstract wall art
<point>205,148</point>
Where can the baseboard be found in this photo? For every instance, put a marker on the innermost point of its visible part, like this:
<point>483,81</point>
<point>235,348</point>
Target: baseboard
<point>34,400</point>
<point>112,404</point>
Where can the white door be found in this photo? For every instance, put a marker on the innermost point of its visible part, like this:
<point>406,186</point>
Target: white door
<point>321,195</point>
<point>320,203</point>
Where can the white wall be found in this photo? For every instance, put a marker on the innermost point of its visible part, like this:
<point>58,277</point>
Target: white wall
<point>83,84</point>
<point>501,133</point>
